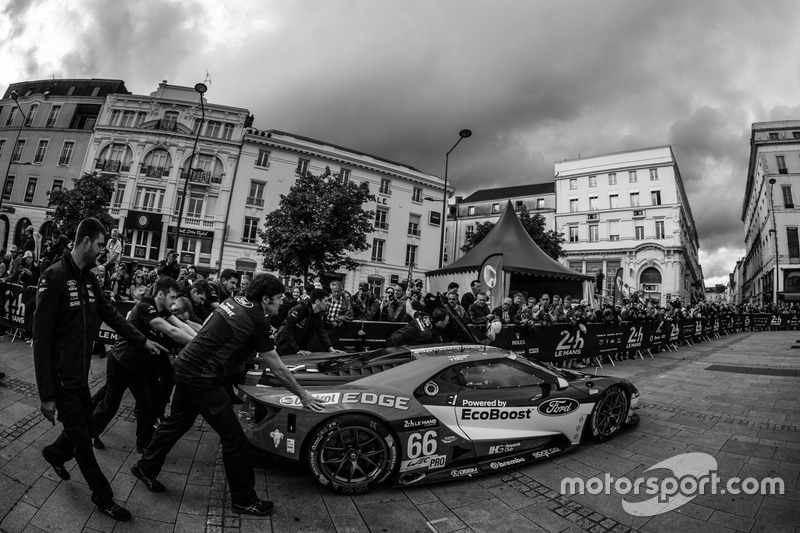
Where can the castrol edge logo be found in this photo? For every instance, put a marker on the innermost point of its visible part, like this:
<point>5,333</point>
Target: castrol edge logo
<point>558,406</point>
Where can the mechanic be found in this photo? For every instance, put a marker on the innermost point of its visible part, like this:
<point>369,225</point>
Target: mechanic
<point>69,308</point>
<point>126,368</point>
<point>233,334</point>
<point>303,322</point>
<point>221,289</point>
<point>424,329</point>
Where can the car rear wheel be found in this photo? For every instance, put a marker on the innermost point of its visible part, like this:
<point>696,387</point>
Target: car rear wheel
<point>352,454</point>
<point>608,414</point>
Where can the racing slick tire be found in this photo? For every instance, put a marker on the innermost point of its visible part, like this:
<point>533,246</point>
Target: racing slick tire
<point>352,454</point>
<point>608,415</point>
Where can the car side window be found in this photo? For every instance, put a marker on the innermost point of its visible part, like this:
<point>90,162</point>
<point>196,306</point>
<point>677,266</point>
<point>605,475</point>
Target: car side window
<point>496,374</point>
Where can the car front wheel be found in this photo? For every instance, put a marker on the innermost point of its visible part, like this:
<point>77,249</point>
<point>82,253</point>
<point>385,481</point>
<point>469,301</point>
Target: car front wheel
<point>352,454</point>
<point>608,414</point>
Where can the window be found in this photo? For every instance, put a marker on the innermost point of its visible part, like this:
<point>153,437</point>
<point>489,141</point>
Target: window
<point>639,232</point>
<point>592,181</point>
<point>540,203</point>
<point>495,209</point>
<point>30,190</point>
<point>613,238</point>
<point>634,199</point>
<point>796,134</point>
<point>115,116</point>
<point>577,266</point>
<point>613,201</point>
<point>659,229</point>
<point>256,194</point>
<point>416,196</point>
<point>377,249</point>
<point>156,164</point>
<point>31,114</point>
<point>17,155</point>
<point>11,115</point>
<point>227,131</point>
<point>573,234</point>
<point>593,203</point>
<point>149,199</point>
<point>2,146</point>
<point>788,201</point>
<point>41,150</point>
<point>250,230</point>
<point>470,229</point>
<point>773,136</point>
<point>612,178</point>
<point>411,254</point>
<point>386,186</point>
<point>632,178</point>
<point>434,218</point>
<point>381,216</point>
<point>212,128</point>
<point>413,225</point>
<point>55,111</point>
<point>653,174</point>
<point>119,194</point>
<point>781,164</point>
<point>344,175</point>
<point>573,184</point>
<point>57,184</point>
<point>195,204</point>
<point>8,188</point>
<point>655,197</point>
<point>503,374</point>
<point>129,117</point>
<point>792,241</point>
<point>573,205</point>
<point>302,167</point>
<point>140,116</point>
<point>518,205</point>
<point>471,210</point>
<point>593,233</point>
<point>198,123</point>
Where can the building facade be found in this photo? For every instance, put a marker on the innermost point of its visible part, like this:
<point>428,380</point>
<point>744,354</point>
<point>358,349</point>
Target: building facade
<point>44,138</point>
<point>486,205</point>
<point>629,210</point>
<point>771,266</point>
<point>147,145</point>
<point>407,227</point>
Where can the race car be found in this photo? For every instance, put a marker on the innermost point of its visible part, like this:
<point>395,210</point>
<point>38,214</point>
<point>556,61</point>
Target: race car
<point>414,415</point>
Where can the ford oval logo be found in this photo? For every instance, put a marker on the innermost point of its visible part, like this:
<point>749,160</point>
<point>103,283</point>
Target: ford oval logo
<point>558,406</point>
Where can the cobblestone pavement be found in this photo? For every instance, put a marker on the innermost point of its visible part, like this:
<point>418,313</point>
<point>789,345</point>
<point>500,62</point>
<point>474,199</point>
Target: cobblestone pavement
<point>734,398</point>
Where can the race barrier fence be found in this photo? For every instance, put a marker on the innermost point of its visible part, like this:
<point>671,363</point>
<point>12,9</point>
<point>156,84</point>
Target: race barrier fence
<point>556,342</point>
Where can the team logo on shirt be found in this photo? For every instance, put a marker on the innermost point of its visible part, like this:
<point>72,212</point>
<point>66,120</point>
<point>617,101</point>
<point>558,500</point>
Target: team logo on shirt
<point>244,302</point>
<point>72,284</point>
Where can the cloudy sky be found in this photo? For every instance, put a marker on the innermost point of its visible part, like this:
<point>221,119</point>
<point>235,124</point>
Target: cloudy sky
<point>536,81</point>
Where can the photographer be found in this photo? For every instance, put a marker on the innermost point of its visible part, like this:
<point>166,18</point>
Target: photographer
<point>388,305</point>
<point>365,305</point>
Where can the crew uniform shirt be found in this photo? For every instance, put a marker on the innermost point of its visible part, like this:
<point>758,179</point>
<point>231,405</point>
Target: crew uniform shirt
<point>234,332</point>
<point>132,357</point>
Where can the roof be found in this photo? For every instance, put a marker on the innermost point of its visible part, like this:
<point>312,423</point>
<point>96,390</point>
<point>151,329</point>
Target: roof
<point>80,87</point>
<point>520,253</point>
<point>514,191</point>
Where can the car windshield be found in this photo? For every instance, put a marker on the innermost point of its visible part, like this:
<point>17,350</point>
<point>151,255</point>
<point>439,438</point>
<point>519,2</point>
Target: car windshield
<point>393,356</point>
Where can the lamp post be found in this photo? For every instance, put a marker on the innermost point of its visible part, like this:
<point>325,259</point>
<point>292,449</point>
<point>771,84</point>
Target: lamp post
<point>15,97</point>
<point>201,88</point>
<point>774,232</point>
<point>463,134</point>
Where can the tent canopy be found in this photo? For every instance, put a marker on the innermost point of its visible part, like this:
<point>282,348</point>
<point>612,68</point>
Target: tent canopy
<point>520,253</point>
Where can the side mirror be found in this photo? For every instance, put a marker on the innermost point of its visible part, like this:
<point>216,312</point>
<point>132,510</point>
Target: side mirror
<point>562,384</point>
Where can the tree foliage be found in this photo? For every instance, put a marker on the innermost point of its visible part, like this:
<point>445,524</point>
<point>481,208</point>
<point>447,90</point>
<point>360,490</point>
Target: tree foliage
<point>549,241</point>
<point>317,226</point>
<point>88,198</point>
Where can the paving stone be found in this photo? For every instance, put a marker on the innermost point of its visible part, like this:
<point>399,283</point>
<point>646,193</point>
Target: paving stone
<point>676,521</point>
<point>344,524</point>
<point>139,524</point>
<point>420,495</point>
<point>300,506</point>
<point>731,521</point>
<point>765,526</point>
<point>440,517</point>
<point>190,523</point>
<point>482,517</point>
<point>393,516</point>
<point>779,510</point>
<point>66,510</point>
<point>459,493</point>
<point>17,519</point>
<point>161,507</point>
<point>195,500</point>
<point>510,496</point>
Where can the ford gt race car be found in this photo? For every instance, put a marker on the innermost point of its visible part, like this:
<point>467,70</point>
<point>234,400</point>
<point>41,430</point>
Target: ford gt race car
<point>431,413</point>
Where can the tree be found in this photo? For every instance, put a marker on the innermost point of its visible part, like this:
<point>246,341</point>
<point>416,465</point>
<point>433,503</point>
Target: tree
<point>317,226</point>
<point>88,198</point>
<point>549,241</point>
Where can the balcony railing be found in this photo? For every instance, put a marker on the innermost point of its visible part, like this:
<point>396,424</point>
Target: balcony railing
<point>167,124</point>
<point>152,171</point>
<point>108,165</point>
<point>382,225</point>
<point>414,232</point>
<point>258,202</point>
<point>203,177</point>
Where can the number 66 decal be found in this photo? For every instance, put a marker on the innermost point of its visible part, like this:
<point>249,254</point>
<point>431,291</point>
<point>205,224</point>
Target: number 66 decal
<point>421,444</point>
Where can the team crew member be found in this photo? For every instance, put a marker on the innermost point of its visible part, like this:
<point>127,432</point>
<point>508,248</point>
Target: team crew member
<point>303,322</point>
<point>221,289</point>
<point>423,330</point>
<point>69,308</point>
<point>126,367</point>
<point>232,335</point>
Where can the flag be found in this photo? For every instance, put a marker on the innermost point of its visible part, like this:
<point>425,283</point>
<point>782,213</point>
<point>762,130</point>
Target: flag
<point>618,296</point>
<point>493,279</point>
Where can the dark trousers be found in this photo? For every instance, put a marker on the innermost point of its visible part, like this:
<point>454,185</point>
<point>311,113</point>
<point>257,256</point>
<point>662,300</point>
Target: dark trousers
<point>117,380</point>
<point>161,381</point>
<point>209,400</point>
<point>75,413</point>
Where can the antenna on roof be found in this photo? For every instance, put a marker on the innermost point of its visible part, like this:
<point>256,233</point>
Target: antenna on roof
<point>208,78</point>
<point>583,149</point>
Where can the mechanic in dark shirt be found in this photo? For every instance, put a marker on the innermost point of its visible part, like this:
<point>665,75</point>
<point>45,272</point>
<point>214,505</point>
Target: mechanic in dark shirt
<point>126,367</point>
<point>69,308</point>
<point>470,297</point>
<point>303,322</point>
<point>424,329</point>
<point>232,335</point>
<point>198,293</point>
<point>221,289</point>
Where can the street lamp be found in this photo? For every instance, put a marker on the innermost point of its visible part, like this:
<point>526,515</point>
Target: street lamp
<point>15,97</point>
<point>463,134</point>
<point>774,231</point>
<point>201,88</point>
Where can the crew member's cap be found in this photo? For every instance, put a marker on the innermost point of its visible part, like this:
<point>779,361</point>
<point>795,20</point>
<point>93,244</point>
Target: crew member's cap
<point>13,248</point>
<point>363,286</point>
<point>27,254</point>
<point>172,252</point>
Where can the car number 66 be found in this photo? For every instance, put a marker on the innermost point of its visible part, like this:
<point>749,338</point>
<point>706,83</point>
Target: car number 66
<point>419,444</point>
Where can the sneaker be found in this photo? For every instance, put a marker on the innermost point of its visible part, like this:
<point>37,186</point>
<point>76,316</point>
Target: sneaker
<point>260,508</point>
<point>116,512</point>
<point>58,468</point>
<point>98,444</point>
<point>150,482</point>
